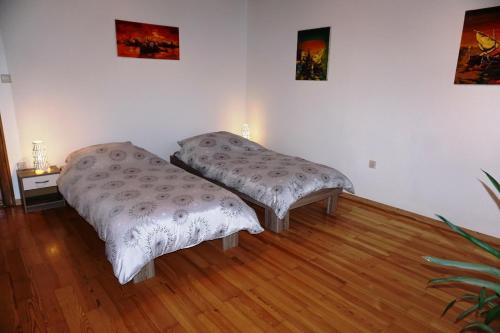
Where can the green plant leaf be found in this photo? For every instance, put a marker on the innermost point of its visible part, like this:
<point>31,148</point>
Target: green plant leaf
<point>473,308</point>
<point>492,314</point>
<point>464,297</point>
<point>482,297</point>
<point>477,325</point>
<point>449,306</point>
<point>493,181</point>
<point>491,305</point>
<point>464,265</point>
<point>485,246</point>
<point>494,286</point>
<point>469,298</point>
<point>466,312</point>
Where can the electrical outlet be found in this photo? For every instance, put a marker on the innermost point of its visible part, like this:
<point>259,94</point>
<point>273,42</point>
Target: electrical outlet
<point>5,78</point>
<point>372,164</point>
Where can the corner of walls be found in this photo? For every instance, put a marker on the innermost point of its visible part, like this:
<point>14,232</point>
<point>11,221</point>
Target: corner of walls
<point>255,111</point>
<point>245,60</point>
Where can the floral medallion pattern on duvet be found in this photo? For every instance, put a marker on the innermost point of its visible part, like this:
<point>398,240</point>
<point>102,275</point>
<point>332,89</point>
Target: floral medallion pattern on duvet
<point>143,207</point>
<point>274,179</point>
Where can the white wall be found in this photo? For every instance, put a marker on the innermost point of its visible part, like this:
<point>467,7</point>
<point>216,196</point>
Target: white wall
<point>9,119</point>
<point>390,97</point>
<point>71,89</point>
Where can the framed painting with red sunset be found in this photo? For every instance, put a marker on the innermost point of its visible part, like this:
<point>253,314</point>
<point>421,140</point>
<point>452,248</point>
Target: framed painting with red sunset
<point>142,40</point>
<point>479,55</point>
<point>312,54</point>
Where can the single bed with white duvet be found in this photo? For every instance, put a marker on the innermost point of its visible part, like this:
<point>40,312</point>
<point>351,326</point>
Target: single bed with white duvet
<point>143,207</point>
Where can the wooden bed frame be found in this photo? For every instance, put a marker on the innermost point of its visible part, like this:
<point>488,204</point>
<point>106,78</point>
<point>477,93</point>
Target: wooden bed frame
<point>148,271</point>
<point>271,221</point>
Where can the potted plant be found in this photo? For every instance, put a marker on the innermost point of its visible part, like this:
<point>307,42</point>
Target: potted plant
<point>485,304</point>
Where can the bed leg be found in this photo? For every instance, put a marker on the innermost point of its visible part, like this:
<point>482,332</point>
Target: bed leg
<point>267,218</point>
<point>331,203</point>
<point>286,222</point>
<point>276,224</point>
<point>230,241</point>
<point>147,272</point>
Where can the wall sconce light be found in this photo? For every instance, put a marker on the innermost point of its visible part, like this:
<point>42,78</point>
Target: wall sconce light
<point>40,163</point>
<point>245,131</point>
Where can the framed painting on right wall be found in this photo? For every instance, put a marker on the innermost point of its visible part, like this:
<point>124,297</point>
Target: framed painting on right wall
<point>479,55</point>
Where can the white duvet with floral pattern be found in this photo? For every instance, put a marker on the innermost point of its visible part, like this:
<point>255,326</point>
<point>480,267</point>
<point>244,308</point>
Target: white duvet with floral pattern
<point>143,207</point>
<point>274,179</point>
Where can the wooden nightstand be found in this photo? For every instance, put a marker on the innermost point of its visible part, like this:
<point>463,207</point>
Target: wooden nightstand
<point>39,191</point>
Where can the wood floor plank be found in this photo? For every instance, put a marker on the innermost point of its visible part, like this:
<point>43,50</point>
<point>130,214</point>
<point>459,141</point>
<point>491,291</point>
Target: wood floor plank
<point>76,318</point>
<point>360,271</point>
<point>8,314</point>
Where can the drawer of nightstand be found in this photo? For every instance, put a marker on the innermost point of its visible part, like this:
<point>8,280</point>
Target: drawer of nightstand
<point>32,183</point>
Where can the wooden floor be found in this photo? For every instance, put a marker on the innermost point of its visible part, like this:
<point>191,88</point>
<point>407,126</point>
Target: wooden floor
<point>359,272</point>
